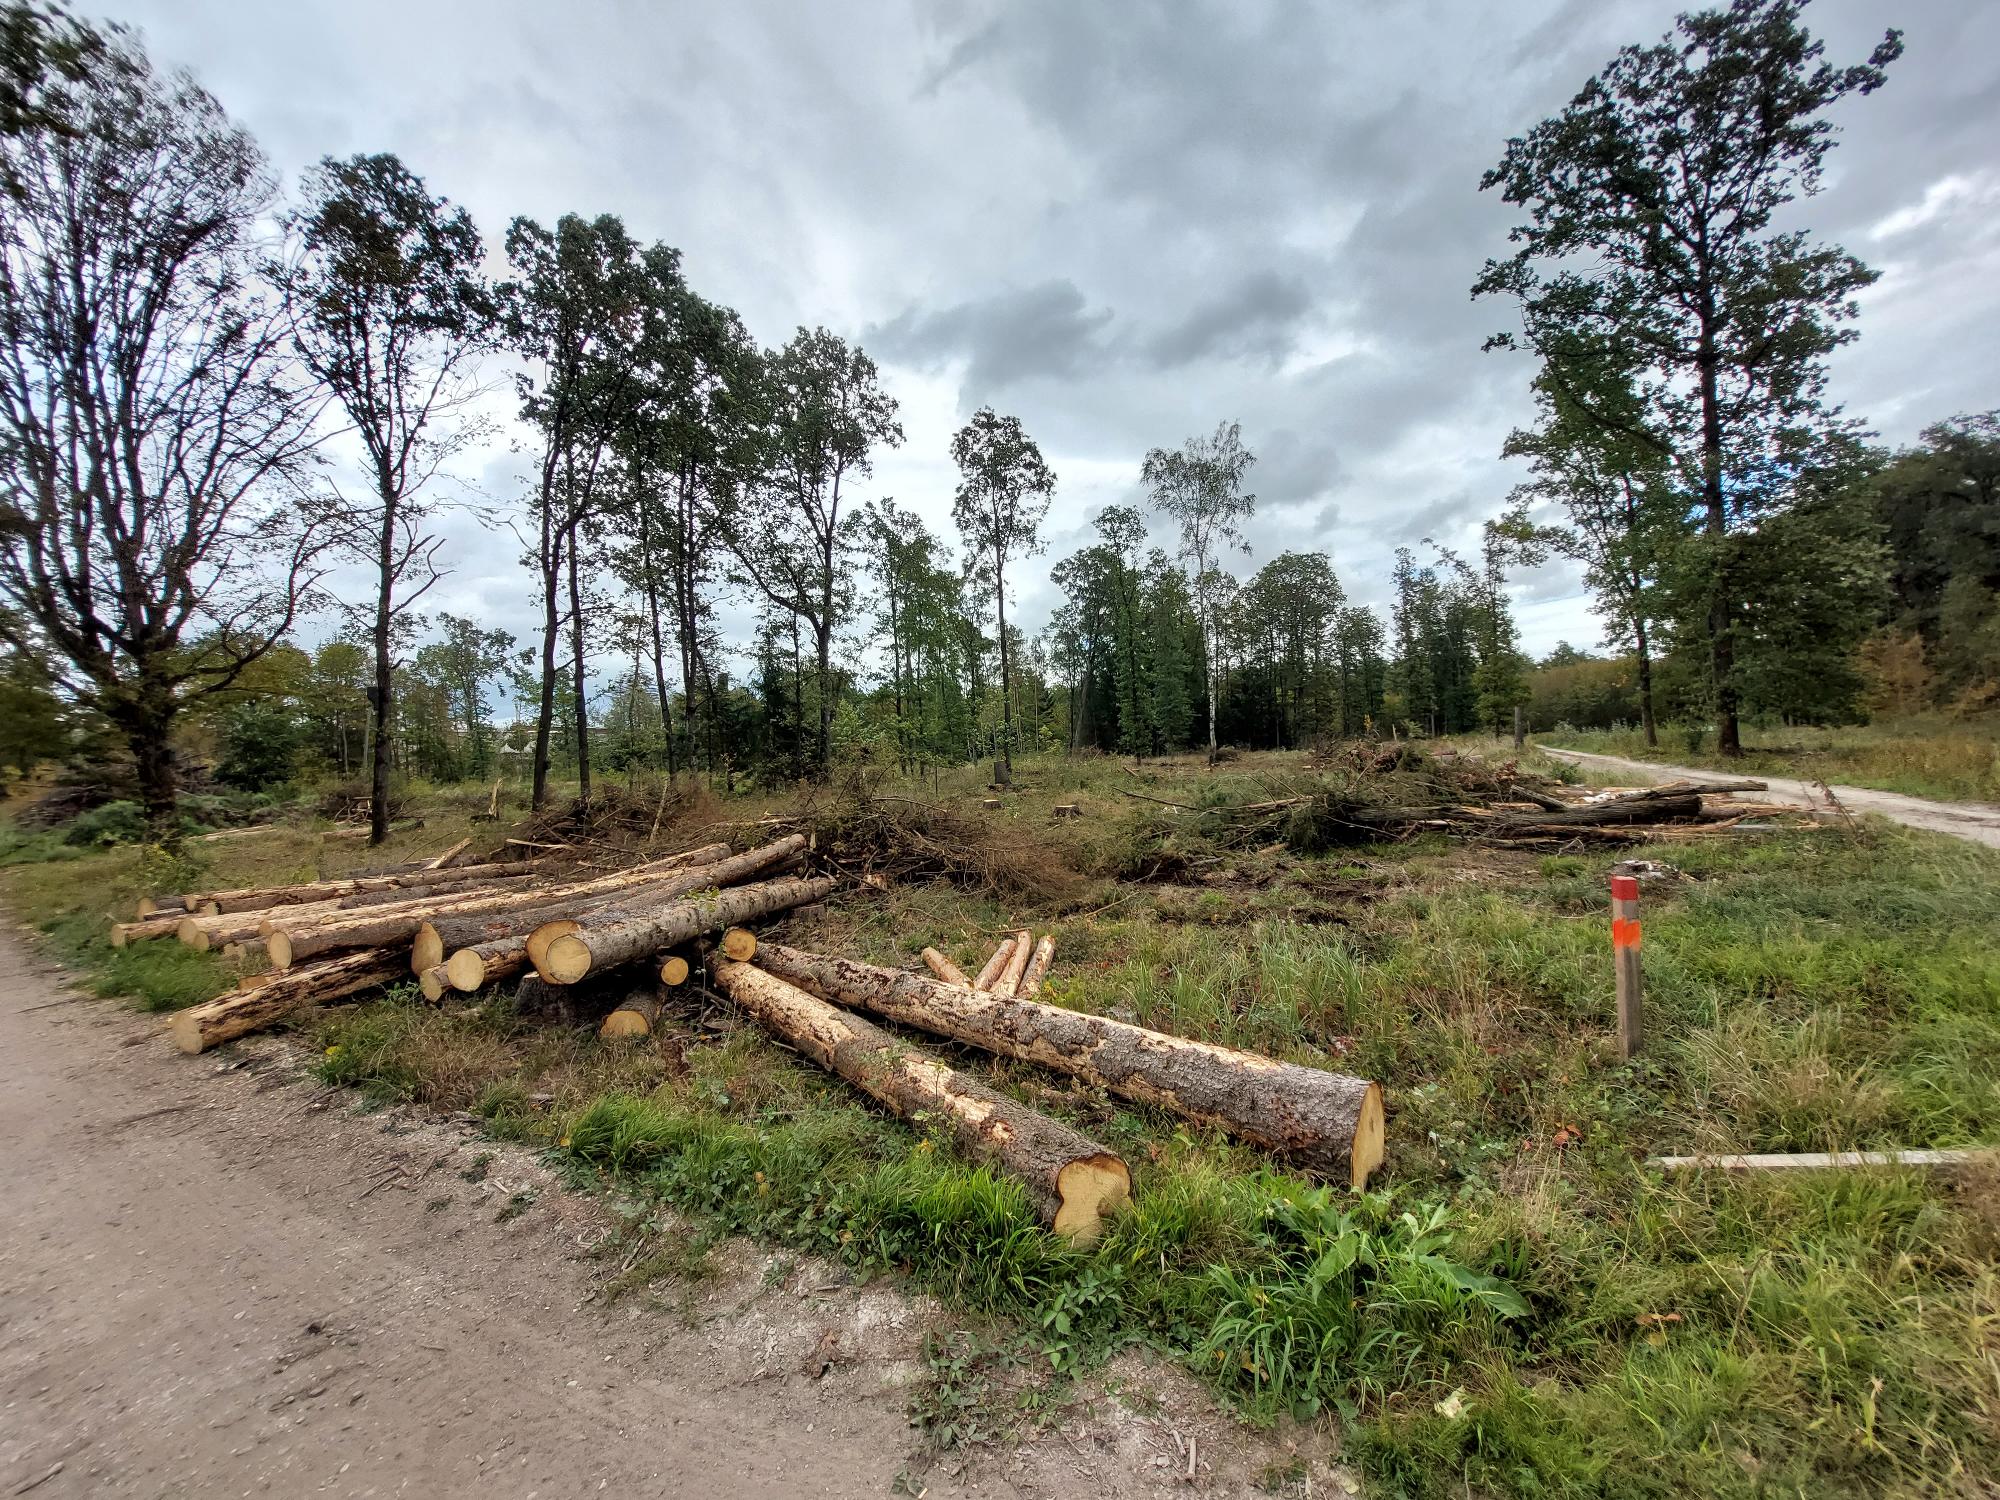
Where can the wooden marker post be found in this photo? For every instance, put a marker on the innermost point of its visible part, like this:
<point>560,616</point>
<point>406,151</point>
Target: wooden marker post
<point>1520,729</point>
<point>1625,953</point>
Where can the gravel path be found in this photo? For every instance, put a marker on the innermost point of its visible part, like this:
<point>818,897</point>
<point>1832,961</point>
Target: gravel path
<point>218,1278</point>
<point>1977,821</point>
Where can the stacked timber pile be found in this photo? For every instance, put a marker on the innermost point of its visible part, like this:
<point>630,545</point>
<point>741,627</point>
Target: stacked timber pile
<point>457,927</point>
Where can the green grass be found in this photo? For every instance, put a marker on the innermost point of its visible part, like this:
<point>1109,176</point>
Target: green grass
<point>1947,759</point>
<point>1521,1307</point>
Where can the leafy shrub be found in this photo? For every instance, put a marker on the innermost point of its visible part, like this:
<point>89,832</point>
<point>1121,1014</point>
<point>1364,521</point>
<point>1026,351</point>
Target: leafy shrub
<point>114,823</point>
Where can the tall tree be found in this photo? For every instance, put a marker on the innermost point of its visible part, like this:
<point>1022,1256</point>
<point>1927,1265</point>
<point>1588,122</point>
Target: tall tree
<point>1650,203</point>
<point>153,431</point>
<point>394,317</point>
<point>1614,485</point>
<point>1200,486</point>
<point>827,413</point>
<point>461,662</point>
<point>575,309</point>
<point>1003,493</point>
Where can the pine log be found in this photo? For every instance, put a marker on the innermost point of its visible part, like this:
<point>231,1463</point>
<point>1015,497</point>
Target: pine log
<point>164,925</point>
<point>739,943</point>
<point>434,981</point>
<point>474,968</point>
<point>1038,968</point>
<point>1072,1180</point>
<point>242,1011</point>
<point>262,898</point>
<point>606,945</point>
<point>635,1017</point>
<point>437,940</point>
<point>1330,1123</point>
<point>159,906</point>
<point>1615,813</point>
<point>994,965</point>
<point>1017,964</point>
<point>397,925</point>
<point>945,969</point>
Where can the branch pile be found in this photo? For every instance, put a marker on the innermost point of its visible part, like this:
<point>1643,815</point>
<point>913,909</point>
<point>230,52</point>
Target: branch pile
<point>1381,794</point>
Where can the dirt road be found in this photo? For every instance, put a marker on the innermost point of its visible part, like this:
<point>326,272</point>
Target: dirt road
<point>1977,821</point>
<point>218,1279</point>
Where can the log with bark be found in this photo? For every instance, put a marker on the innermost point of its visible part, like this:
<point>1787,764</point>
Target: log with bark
<point>991,970</point>
<point>945,969</point>
<point>243,1011</point>
<point>636,1016</point>
<point>1017,964</point>
<point>1330,1123</point>
<point>264,897</point>
<point>607,944</point>
<point>1038,968</point>
<point>291,939</point>
<point>1072,1180</point>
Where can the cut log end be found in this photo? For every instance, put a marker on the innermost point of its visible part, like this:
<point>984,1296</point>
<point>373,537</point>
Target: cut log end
<point>673,969</point>
<point>740,944</point>
<point>1369,1130</point>
<point>566,959</point>
<point>119,938</point>
<point>466,969</point>
<point>538,941</point>
<point>148,906</point>
<point>426,949</point>
<point>185,1033</point>
<point>624,1022</point>
<point>278,945</point>
<point>434,981</point>
<point>1089,1191</point>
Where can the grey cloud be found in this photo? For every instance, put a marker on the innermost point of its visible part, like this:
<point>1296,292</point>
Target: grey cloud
<point>1046,330</point>
<point>1255,318</point>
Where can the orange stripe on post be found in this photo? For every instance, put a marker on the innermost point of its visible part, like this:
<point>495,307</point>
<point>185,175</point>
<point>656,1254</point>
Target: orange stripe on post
<point>1625,932</point>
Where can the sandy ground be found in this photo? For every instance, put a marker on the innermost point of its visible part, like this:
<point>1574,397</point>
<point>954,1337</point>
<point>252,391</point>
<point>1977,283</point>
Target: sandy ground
<point>217,1278</point>
<point>1976,821</point>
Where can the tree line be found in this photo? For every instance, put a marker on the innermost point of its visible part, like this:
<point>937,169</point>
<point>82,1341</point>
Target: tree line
<point>186,348</point>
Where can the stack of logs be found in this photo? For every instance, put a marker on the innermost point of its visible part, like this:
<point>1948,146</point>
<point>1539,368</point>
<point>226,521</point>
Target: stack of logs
<point>460,927</point>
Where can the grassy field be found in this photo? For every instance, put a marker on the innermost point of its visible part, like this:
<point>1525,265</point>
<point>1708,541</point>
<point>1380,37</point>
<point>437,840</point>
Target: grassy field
<point>1521,1307</point>
<point>1955,761</point>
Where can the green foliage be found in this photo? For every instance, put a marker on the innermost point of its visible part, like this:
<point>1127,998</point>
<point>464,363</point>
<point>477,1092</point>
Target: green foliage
<point>260,746</point>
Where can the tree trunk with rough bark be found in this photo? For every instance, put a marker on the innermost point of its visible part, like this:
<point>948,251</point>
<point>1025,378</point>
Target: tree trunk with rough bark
<point>1072,1180</point>
<point>606,945</point>
<point>1328,1122</point>
<point>243,1011</point>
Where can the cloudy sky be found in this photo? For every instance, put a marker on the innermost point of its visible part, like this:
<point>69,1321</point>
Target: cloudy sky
<point>1122,221</point>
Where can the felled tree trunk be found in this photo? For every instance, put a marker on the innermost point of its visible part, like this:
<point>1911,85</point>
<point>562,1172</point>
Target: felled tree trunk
<point>1072,1180</point>
<point>262,898</point>
<point>292,939</point>
<point>243,1011</point>
<point>602,946</point>
<point>1328,1122</point>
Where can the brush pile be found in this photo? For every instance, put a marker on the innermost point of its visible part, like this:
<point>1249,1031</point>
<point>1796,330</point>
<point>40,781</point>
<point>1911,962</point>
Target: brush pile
<point>1374,794</point>
<point>461,927</point>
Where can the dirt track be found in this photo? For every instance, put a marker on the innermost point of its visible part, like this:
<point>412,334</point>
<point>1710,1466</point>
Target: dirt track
<point>1977,821</point>
<point>217,1279</point>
